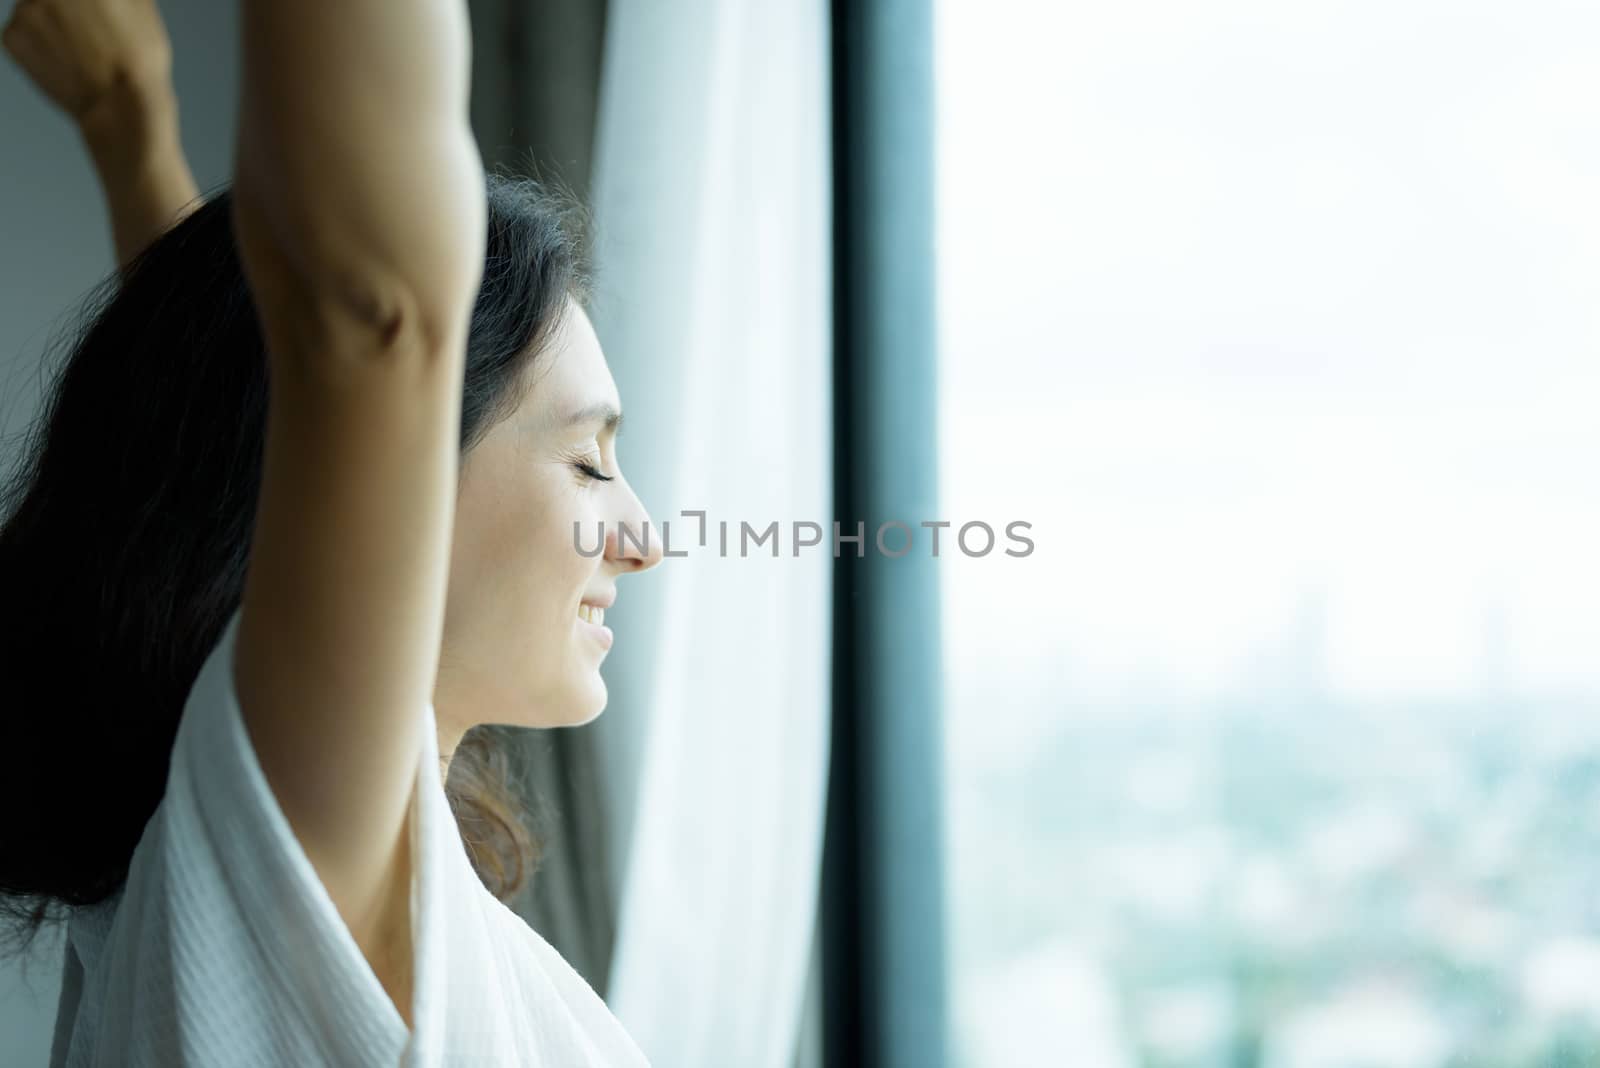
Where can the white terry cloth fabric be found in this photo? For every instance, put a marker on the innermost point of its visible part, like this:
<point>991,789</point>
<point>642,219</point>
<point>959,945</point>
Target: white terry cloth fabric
<point>224,948</point>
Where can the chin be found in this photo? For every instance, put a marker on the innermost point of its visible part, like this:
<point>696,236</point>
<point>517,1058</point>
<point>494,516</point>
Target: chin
<point>586,700</point>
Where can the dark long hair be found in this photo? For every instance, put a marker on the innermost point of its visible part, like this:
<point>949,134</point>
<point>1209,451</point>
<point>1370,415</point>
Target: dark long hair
<point>127,528</point>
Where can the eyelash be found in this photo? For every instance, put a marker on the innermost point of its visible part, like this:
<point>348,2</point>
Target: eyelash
<point>588,471</point>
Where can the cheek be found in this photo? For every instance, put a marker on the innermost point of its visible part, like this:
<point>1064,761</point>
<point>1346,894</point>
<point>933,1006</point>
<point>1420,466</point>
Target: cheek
<point>558,573</point>
<point>553,570</point>
<point>517,537</point>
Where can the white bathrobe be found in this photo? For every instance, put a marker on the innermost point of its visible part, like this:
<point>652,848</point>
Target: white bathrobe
<point>225,949</point>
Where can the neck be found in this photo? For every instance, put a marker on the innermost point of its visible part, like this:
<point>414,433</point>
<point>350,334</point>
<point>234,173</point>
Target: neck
<point>450,735</point>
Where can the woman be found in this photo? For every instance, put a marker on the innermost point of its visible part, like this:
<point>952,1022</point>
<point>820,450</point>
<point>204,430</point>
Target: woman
<point>257,633</point>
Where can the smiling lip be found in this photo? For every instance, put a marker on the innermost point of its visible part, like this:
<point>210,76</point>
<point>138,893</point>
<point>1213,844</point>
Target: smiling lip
<point>600,631</point>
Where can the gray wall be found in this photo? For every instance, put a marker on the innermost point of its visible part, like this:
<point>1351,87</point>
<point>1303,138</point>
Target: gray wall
<point>54,245</point>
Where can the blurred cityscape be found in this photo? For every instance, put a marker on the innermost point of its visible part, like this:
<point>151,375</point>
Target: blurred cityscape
<point>1277,879</point>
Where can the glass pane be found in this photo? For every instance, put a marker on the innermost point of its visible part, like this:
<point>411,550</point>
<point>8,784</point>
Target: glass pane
<point>1278,322</point>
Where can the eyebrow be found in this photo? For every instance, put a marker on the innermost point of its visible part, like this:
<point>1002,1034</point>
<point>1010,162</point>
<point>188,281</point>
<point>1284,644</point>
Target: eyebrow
<point>602,412</point>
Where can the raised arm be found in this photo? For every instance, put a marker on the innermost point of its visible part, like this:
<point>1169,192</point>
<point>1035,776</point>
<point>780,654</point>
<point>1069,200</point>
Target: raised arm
<point>108,65</point>
<point>359,206</point>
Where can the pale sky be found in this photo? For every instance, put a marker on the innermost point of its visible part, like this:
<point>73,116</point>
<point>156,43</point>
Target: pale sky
<point>1244,301</point>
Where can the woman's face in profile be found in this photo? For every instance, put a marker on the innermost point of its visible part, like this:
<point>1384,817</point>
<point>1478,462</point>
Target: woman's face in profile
<point>518,647</point>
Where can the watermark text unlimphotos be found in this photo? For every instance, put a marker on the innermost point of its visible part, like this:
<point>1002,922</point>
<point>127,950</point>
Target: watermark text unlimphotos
<point>892,539</point>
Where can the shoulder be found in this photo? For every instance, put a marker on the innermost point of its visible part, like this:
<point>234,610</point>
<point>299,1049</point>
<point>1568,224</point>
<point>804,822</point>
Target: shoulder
<point>587,1017</point>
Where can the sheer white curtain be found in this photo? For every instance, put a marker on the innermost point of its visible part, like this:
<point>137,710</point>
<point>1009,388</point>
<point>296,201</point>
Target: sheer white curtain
<point>711,209</point>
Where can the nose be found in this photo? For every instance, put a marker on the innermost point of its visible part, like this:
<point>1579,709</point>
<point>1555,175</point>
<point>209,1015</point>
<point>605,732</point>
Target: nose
<point>633,543</point>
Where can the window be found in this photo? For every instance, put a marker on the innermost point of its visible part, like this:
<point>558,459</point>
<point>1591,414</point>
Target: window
<point>1281,326</point>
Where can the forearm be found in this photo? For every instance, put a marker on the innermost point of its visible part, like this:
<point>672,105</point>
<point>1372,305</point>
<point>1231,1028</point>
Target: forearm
<point>133,139</point>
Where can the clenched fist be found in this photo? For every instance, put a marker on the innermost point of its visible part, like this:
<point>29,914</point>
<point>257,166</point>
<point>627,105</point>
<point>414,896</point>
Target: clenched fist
<point>83,54</point>
<point>108,65</point>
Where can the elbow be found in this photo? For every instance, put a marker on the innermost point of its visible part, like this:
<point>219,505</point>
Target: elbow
<point>361,314</point>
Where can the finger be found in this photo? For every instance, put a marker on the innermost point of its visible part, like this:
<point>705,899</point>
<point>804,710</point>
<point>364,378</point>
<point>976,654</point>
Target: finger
<point>21,15</point>
<point>14,25</point>
<point>18,37</point>
<point>25,20</point>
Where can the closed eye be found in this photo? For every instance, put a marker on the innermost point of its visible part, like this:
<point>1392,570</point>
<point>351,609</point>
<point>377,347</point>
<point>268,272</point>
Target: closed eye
<point>588,470</point>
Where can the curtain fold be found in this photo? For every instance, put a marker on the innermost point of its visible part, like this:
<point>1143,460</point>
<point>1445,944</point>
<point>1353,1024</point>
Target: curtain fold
<point>711,201</point>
